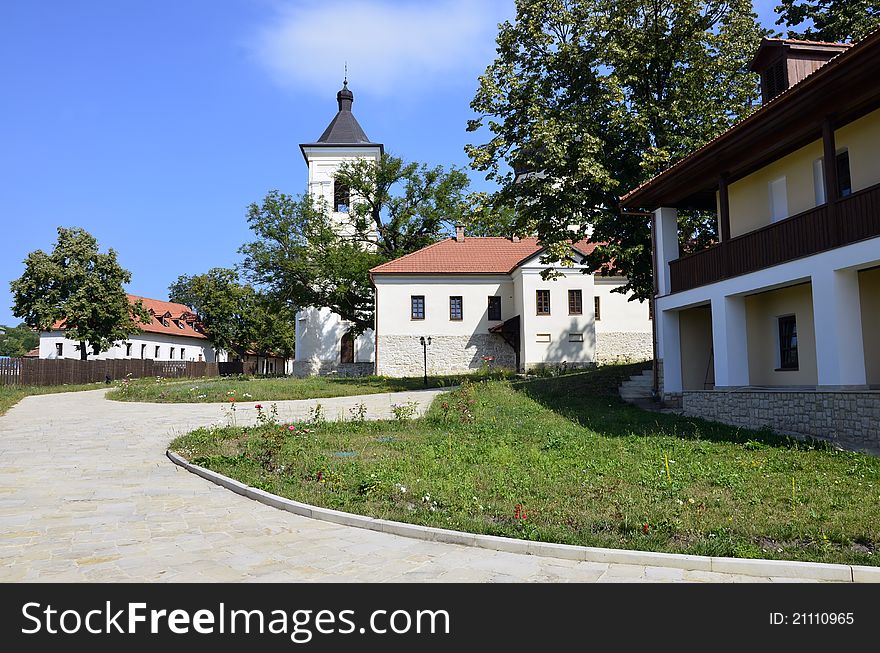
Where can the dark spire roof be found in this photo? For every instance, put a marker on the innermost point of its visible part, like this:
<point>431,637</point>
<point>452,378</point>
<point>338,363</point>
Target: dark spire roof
<point>344,129</point>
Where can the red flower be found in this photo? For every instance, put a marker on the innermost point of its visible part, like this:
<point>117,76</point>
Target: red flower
<point>645,528</point>
<point>258,406</point>
<point>232,399</point>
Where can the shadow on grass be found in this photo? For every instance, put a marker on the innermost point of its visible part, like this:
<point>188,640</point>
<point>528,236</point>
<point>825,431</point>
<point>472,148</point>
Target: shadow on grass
<point>591,399</point>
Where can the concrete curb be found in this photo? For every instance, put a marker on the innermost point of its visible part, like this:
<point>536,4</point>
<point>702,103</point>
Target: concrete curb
<point>742,566</point>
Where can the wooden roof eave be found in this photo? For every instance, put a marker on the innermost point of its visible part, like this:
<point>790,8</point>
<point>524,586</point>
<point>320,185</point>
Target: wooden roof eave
<point>844,89</point>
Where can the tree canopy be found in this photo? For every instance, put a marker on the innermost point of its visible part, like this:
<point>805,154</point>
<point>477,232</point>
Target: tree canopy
<point>589,98</point>
<point>829,20</point>
<point>81,286</point>
<point>17,341</point>
<point>234,316</point>
<point>306,256</point>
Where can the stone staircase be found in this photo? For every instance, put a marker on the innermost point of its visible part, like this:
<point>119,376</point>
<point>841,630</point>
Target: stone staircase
<point>637,390</point>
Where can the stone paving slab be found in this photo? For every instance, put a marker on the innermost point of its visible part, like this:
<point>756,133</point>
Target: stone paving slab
<point>89,496</point>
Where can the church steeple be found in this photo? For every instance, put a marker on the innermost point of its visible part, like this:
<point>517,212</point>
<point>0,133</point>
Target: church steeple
<point>344,128</point>
<point>345,97</point>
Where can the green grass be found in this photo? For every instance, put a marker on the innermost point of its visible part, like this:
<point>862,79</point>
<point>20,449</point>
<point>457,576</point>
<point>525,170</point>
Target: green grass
<point>12,394</point>
<point>583,467</point>
<point>245,388</point>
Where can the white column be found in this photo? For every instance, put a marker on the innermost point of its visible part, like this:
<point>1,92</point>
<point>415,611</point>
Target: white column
<point>671,348</point>
<point>666,243</point>
<point>837,319</point>
<point>729,341</point>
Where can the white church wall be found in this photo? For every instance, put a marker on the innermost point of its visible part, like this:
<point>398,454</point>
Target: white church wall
<point>623,330</point>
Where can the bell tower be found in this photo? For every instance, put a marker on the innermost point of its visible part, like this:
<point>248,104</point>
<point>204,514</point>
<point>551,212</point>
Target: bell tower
<point>343,140</point>
<point>324,342</point>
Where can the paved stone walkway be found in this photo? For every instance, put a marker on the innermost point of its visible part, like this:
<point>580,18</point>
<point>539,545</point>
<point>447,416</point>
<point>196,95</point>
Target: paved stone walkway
<point>87,494</point>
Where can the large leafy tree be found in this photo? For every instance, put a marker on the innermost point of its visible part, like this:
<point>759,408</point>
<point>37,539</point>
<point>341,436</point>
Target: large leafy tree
<point>829,20</point>
<point>234,316</point>
<point>17,341</point>
<point>304,255</point>
<point>82,287</point>
<point>589,98</point>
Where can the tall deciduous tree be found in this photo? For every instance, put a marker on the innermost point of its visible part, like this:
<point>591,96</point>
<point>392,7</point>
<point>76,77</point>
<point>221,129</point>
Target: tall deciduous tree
<point>234,316</point>
<point>17,341</point>
<point>306,256</point>
<point>589,98</point>
<point>80,286</point>
<point>829,20</point>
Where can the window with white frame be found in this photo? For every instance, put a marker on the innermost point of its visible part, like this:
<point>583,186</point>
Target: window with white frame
<point>778,199</point>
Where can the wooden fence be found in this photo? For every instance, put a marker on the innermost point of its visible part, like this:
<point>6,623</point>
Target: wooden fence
<point>34,371</point>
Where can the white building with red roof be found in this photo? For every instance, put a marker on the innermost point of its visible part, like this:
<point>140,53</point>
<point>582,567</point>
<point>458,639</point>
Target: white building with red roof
<point>173,334</point>
<point>483,302</point>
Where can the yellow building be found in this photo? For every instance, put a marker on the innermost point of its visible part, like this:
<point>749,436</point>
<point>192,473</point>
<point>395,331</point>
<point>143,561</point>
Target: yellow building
<point>778,323</point>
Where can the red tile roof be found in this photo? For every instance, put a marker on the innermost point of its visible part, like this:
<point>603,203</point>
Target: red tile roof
<point>158,309</point>
<point>474,255</point>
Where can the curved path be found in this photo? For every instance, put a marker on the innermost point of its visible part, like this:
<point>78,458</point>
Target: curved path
<point>87,494</point>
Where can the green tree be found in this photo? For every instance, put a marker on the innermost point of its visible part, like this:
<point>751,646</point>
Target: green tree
<point>305,256</point>
<point>589,98</point>
<point>17,341</point>
<point>829,20</point>
<point>234,316</point>
<point>80,286</point>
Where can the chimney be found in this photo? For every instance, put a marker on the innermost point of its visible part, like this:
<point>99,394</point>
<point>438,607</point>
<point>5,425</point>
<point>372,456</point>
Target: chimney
<point>514,239</point>
<point>459,233</point>
<point>782,63</point>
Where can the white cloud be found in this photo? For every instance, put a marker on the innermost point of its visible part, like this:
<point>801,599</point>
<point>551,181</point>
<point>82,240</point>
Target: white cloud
<point>387,45</point>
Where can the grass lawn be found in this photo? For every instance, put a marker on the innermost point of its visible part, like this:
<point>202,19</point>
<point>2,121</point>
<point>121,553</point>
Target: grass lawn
<point>564,460</point>
<point>12,394</point>
<point>244,388</point>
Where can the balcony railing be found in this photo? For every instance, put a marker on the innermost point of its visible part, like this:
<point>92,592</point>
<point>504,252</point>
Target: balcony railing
<point>825,227</point>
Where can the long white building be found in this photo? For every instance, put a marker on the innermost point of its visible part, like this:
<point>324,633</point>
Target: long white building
<point>173,334</point>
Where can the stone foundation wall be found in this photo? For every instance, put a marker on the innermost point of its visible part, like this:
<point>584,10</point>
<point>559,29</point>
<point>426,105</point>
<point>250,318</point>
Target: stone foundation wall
<point>403,355</point>
<point>324,368</point>
<point>623,346</point>
<point>850,419</point>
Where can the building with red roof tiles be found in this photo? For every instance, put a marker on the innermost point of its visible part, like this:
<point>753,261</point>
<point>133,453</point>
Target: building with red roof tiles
<point>465,303</point>
<point>775,325</point>
<point>173,334</point>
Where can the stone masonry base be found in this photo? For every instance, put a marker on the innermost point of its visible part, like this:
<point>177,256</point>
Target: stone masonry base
<point>324,368</point>
<point>623,346</point>
<point>403,355</point>
<point>850,419</point>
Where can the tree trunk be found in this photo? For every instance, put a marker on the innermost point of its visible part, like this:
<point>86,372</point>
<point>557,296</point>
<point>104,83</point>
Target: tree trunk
<point>83,352</point>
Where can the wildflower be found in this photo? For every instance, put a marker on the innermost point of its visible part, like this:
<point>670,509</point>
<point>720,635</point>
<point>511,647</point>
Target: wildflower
<point>258,406</point>
<point>291,428</point>
<point>232,399</point>
<point>645,528</point>
<point>320,477</point>
<point>247,394</point>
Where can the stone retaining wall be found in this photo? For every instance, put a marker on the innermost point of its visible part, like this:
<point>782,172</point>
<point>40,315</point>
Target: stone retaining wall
<point>850,419</point>
<point>323,368</point>
<point>623,346</point>
<point>403,355</point>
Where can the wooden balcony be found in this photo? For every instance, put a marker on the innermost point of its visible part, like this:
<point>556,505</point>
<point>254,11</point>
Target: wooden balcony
<point>849,220</point>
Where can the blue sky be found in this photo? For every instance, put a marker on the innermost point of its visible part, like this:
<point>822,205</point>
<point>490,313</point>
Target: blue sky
<point>154,124</point>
